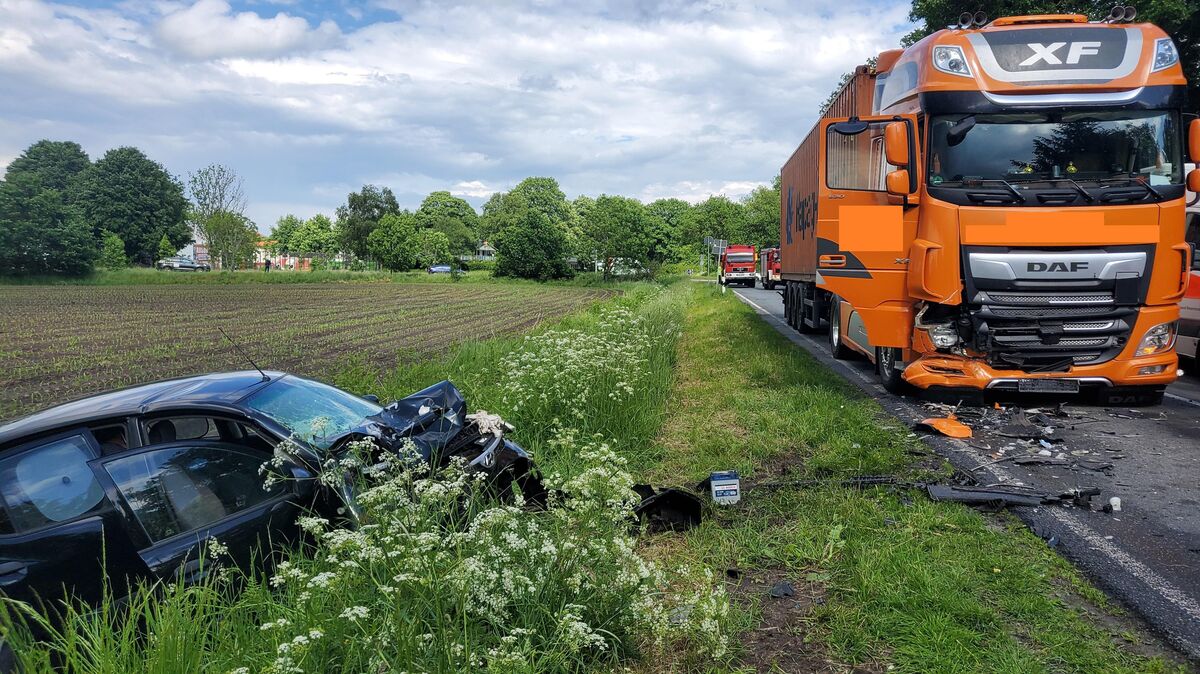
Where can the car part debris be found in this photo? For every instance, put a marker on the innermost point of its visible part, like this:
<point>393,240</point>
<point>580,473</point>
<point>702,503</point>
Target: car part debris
<point>725,487</point>
<point>1115,504</point>
<point>782,589</point>
<point>988,496</point>
<point>668,509</point>
<point>1039,460</point>
<point>948,425</point>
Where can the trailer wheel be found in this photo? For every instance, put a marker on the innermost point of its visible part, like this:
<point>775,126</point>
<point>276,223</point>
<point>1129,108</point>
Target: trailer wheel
<point>836,348</point>
<point>890,377</point>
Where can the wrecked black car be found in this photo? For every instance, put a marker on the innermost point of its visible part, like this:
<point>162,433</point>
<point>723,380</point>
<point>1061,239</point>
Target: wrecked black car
<point>127,485</point>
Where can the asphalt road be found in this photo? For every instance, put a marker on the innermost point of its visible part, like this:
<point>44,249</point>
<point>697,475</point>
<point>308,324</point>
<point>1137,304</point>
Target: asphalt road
<point>1147,555</point>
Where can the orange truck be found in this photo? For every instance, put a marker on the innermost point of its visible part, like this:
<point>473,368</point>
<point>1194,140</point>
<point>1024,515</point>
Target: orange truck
<point>1000,206</point>
<point>1189,309</point>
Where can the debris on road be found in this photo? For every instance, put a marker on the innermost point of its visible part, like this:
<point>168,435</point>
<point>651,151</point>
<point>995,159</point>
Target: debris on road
<point>948,425</point>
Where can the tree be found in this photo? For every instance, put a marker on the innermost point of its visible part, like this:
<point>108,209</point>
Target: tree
<point>667,218</point>
<point>495,217</point>
<point>214,189</point>
<point>135,198</point>
<point>544,196</point>
<point>112,252</point>
<point>360,215</point>
<point>165,249</point>
<point>532,247</point>
<point>389,243</point>
<point>315,238</point>
<point>233,239</point>
<point>429,247</point>
<point>282,232</point>
<point>40,233</point>
<point>761,210</point>
<point>56,163</point>
<point>1178,18</point>
<point>617,228</point>
<point>454,217</point>
<point>716,216</point>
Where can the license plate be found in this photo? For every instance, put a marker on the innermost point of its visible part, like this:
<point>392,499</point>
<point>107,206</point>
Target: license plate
<point>1048,385</point>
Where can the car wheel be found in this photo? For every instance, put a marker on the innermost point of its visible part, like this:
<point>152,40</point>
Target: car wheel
<point>891,377</point>
<point>836,348</point>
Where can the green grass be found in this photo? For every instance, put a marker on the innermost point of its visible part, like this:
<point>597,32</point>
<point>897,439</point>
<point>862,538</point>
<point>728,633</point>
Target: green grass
<point>911,584</point>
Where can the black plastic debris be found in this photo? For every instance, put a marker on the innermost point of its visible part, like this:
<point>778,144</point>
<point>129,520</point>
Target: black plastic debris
<point>782,589</point>
<point>987,496</point>
<point>667,509</point>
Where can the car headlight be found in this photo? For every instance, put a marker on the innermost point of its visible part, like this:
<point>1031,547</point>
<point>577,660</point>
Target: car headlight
<point>1158,339</point>
<point>949,59</point>
<point>943,336</point>
<point>1165,54</point>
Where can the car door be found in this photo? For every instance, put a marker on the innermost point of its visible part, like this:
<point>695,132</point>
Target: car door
<point>59,530</point>
<point>182,494</point>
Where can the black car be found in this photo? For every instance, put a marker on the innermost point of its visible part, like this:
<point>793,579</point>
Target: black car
<point>128,484</point>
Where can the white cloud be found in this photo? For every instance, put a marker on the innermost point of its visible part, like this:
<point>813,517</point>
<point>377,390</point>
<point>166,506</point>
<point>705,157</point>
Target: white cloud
<point>473,188</point>
<point>209,29</point>
<point>695,192</point>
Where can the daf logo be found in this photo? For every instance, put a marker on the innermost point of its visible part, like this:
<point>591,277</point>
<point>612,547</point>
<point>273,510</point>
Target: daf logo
<point>1046,52</point>
<point>1056,266</point>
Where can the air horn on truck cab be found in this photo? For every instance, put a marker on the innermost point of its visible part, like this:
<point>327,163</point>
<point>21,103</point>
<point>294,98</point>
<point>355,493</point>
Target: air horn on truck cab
<point>1121,13</point>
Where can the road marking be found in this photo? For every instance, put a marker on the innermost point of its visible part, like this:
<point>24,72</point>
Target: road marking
<point>1129,564</point>
<point>1182,399</point>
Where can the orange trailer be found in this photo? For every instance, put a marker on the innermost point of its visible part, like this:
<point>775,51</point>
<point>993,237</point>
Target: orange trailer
<point>1000,206</point>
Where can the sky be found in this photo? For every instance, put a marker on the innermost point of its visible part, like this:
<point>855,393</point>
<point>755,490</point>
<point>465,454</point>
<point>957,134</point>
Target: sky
<point>308,100</point>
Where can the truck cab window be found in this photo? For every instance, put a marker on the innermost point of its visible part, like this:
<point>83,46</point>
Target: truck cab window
<point>856,162</point>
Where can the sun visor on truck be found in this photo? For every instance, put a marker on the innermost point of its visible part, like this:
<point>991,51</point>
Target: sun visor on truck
<point>1060,55</point>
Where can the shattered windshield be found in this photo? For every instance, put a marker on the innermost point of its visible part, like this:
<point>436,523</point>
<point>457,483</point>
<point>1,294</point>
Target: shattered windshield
<point>314,412</point>
<point>1077,145</point>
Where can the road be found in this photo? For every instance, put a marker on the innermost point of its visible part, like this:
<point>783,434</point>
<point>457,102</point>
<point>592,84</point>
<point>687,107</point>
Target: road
<point>1147,555</point>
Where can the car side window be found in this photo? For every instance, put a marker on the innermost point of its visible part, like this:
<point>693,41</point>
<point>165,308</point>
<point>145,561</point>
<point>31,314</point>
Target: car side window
<point>179,489</point>
<point>49,484</point>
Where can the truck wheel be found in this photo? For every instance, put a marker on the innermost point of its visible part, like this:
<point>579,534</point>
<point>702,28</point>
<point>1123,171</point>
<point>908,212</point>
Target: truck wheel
<point>836,348</point>
<point>890,377</point>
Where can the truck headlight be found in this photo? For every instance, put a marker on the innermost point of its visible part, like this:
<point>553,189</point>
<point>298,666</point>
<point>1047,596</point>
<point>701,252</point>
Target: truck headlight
<point>1157,339</point>
<point>943,336</point>
<point>949,59</point>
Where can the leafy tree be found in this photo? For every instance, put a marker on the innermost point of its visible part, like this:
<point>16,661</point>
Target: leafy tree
<point>55,163</point>
<point>429,247</point>
<point>360,215</point>
<point>544,196</point>
<point>495,217</point>
<point>1179,18</point>
<point>451,216</point>
<point>667,218</point>
<point>282,232</point>
<point>112,251</point>
<point>40,233</point>
<point>718,217</point>
<point>617,227</point>
<point>214,189</point>
<point>165,249</point>
<point>132,196</point>
<point>390,242</point>
<point>761,210</point>
<point>315,238</point>
<point>532,246</point>
<point>232,239</point>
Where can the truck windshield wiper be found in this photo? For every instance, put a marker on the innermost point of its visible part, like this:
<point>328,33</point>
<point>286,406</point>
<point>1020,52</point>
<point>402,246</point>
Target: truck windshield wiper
<point>1077,186</point>
<point>1158,196</point>
<point>966,182</point>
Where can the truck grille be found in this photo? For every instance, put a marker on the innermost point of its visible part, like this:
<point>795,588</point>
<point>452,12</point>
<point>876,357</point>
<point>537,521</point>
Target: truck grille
<point>1035,331</point>
<point>1035,299</point>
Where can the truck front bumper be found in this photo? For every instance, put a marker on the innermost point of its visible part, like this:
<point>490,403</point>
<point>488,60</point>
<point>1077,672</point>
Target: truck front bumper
<point>938,370</point>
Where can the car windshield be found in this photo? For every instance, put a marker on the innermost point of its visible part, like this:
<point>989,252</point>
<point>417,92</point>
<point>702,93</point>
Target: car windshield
<point>316,413</point>
<point>740,257</point>
<point>1039,146</point>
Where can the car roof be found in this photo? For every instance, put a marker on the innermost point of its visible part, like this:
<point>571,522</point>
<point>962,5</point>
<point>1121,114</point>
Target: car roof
<point>214,389</point>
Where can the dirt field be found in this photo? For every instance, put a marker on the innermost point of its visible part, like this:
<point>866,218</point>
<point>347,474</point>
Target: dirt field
<point>62,342</point>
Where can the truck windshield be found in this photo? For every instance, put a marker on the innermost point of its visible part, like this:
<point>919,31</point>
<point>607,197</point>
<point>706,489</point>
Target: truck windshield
<point>740,257</point>
<point>1077,145</point>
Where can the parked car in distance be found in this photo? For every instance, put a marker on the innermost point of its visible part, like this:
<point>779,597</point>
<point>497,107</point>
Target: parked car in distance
<point>180,263</point>
<point>127,485</point>
<point>439,269</point>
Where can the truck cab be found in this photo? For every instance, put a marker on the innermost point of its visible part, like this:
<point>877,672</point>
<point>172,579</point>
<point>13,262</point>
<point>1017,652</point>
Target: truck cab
<point>737,266</point>
<point>768,268</point>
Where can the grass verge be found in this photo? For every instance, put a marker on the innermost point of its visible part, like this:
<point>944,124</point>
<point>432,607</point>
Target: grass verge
<point>885,580</point>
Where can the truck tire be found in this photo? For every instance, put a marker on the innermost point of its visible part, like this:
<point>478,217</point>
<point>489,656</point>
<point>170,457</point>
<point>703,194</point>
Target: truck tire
<point>891,378</point>
<point>836,348</point>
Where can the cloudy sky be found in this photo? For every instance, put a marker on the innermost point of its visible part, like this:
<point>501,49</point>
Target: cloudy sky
<point>310,100</point>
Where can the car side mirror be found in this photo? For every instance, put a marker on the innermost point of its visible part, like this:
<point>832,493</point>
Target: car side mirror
<point>1193,180</point>
<point>1194,140</point>
<point>371,397</point>
<point>895,144</point>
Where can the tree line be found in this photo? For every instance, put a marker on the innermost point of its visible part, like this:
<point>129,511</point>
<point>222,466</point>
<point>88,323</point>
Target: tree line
<point>61,213</point>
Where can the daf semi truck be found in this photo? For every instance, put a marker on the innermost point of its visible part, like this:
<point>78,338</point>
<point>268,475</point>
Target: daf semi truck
<point>1000,206</point>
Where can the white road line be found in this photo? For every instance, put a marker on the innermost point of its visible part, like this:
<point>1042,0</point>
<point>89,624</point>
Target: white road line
<point>1182,399</point>
<point>1127,562</point>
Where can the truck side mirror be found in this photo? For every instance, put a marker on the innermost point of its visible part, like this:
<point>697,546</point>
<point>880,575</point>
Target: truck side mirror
<point>898,184</point>
<point>1193,181</point>
<point>1194,140</point>
<point>895,143</point>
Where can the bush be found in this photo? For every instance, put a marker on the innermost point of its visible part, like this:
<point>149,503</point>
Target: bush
<point>533,248</point>
<point>112,252</point>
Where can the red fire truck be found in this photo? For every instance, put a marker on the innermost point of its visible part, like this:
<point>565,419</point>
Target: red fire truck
<point>737,266</point>
<point>768,268</point>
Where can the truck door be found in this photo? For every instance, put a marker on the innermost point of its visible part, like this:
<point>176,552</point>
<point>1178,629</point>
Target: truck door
<point>864,231</point>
